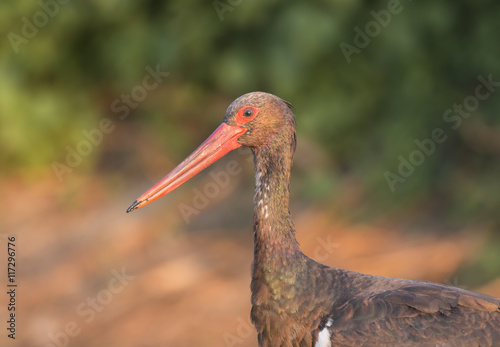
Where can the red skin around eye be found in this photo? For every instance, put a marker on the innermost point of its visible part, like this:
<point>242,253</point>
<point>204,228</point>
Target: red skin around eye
<point>241,119</point>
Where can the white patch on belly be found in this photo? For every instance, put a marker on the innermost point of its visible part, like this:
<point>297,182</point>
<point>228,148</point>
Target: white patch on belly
<point>324,336</point>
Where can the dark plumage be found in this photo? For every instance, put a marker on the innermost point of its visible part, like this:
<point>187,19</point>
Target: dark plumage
<point>299,302</point>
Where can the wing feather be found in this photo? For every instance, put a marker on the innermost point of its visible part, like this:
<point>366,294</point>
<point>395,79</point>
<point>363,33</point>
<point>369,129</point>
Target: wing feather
<point>417,315</point>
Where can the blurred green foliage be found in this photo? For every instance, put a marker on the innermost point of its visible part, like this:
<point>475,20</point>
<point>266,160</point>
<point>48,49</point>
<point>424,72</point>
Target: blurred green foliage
<point>365,114</point>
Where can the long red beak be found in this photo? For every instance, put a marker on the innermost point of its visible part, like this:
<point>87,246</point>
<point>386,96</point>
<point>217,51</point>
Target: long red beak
<point>222,141</point>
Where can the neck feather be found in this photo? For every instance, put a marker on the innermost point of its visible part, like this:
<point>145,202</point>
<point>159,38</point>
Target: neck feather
<point>273,228</point>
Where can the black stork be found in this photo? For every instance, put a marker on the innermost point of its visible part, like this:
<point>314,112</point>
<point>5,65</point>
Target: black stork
<point>299,302</point>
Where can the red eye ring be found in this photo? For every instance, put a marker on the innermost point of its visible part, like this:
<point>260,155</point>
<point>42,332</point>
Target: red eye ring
<point>246,114</point>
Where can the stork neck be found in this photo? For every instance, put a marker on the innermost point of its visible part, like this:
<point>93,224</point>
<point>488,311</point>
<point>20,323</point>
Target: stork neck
<point>277,257</point>
<point>272,223</point>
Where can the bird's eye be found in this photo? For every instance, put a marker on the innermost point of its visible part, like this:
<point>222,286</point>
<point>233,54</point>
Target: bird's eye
<point>248,112</point>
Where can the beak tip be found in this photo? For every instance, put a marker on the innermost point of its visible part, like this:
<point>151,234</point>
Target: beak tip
<point>134,206</point>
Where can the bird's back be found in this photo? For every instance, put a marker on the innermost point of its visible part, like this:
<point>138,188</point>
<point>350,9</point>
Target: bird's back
<point>379,311</point>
